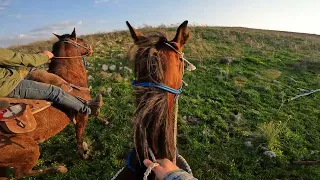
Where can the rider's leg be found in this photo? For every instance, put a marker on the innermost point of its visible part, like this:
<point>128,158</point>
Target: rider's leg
<point>27,89</point>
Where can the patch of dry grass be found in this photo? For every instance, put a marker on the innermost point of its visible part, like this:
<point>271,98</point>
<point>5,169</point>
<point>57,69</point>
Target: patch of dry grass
<point>271,74</point>
<point>240,81</point>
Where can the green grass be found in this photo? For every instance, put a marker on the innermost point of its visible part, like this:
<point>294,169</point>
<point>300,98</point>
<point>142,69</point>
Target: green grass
<point>223,107</point>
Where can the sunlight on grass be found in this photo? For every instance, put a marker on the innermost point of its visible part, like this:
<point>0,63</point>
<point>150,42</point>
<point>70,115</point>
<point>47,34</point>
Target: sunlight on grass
<point>272,132</point>
<point>221,108</point>
<point>271,74</point>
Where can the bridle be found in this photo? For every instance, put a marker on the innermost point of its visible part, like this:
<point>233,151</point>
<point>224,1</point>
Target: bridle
<point>87,47</point>
<point>162,86</point>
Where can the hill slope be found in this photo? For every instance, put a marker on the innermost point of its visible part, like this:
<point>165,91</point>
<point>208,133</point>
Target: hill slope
<point>229,116</point>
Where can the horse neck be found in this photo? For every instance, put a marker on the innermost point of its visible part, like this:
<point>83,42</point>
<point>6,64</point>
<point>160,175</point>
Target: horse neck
<point>159,133</point>
<point>163,143</point>
<point>72,70</point>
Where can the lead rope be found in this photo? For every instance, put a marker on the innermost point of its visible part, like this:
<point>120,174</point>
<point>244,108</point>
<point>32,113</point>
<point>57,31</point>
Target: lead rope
<point>154,164</point>
<point>77,45</point>
<point>117,174</point>
<point>190,67</point>
<point>175,129</point>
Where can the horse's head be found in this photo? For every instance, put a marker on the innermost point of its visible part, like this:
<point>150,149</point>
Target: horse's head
<point>69,58</point>
<point>159,60</point>
<point>69,44</point>
<point>159,68</point>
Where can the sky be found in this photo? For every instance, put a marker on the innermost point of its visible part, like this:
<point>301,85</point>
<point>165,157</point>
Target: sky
<point>25,21</point>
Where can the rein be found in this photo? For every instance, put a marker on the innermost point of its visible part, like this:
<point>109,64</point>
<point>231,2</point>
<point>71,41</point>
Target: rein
<point>88,49</point>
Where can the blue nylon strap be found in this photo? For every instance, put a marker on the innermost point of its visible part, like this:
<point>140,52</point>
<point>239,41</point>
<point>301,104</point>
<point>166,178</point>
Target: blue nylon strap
<point>128,160</point>
<point>159,86</point>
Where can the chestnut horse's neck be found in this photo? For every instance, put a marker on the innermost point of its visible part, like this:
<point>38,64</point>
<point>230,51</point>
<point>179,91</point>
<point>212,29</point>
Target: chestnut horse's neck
<point>158,69</point>
<point>70,69</point>
<point>156,86</point>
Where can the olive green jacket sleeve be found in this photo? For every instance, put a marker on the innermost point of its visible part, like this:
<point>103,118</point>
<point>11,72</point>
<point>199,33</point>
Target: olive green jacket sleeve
<point>9,77</point>
<point>10,58</point>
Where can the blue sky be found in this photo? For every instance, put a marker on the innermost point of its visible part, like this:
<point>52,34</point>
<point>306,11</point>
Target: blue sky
<point>24,21</point>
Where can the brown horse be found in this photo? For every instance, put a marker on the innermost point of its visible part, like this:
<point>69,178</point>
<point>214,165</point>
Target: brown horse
<point>159,69</point>
<point>21,151</point>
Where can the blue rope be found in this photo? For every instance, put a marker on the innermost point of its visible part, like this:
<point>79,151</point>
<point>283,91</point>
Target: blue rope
<point>159,86</point>
<point>128,160</point>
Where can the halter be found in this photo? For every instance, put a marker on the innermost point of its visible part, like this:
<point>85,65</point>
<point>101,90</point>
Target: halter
<point>162,86</point>
<point>180,53</point>
<point>159,86</point>
<point>88,49</point>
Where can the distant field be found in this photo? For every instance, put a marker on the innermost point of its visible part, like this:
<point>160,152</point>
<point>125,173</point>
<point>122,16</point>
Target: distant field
<point>229,115</point>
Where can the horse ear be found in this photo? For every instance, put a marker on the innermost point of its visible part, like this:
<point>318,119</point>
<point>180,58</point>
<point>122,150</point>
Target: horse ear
<point>182,34</point>
<point>73,34</point>
<point>58,36</point>
<point>136,36</point>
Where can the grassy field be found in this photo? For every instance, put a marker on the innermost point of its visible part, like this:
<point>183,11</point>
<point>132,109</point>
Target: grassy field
<point>229,116</point>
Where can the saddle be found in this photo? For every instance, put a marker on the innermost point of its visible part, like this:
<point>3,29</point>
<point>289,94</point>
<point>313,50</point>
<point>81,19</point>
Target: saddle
<point>16,115</point>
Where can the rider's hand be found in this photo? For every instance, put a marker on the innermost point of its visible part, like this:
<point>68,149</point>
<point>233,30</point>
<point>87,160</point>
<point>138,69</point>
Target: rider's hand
<point>48,53</point>
<point>165,167</point>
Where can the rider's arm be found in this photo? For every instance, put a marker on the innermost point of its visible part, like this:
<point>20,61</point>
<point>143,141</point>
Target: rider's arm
<point>167,170</point>
<point>179,175</point>
<point>10,58</point>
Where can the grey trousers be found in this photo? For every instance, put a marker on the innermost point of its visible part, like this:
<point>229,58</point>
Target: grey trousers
<point>27,89</point>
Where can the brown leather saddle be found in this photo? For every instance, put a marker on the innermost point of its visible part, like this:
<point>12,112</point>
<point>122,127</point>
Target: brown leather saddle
<point>18,117</point>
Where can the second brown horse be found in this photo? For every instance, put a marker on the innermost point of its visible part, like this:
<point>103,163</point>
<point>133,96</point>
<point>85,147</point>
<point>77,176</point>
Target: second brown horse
<point>21,151</point>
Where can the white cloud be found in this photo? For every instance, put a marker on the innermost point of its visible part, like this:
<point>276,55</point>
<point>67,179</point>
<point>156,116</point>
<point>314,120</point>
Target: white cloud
<point>56,27</point>
<point>103,21</point>
<point>17,16</point>
<point>100,1</point>
<point>22,39</point>
<point>22,35</point>
<point>38,34</point>
<point>4,4</point>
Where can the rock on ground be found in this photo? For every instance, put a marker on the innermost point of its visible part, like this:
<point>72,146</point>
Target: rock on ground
<point>226,60</point>
<point>112,67</point>
<point>105,67</point>
<point>270,154</point>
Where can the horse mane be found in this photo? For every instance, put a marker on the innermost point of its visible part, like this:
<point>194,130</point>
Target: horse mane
<point>153,126</point>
